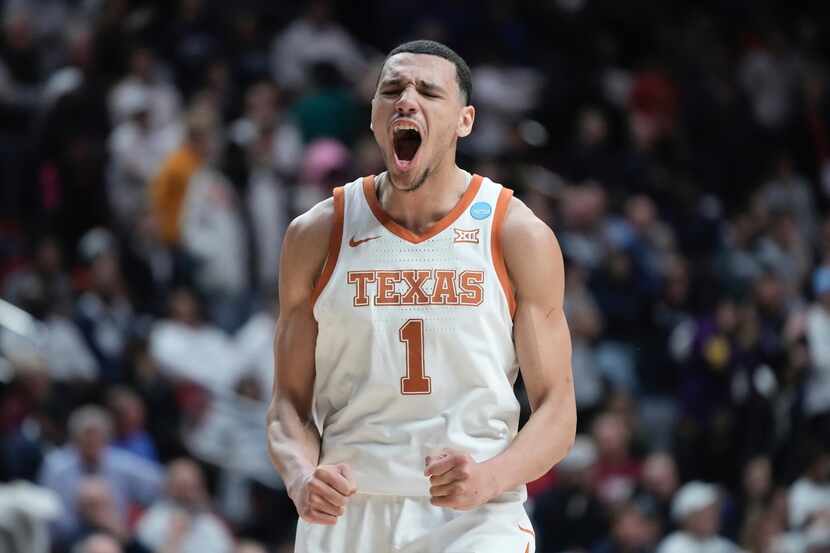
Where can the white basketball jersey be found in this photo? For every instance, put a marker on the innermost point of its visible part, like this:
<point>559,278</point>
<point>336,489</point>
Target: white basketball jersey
<point>414,349</point>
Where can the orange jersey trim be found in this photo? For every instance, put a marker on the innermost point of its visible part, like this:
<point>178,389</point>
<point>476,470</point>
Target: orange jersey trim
<point>526,530</point>
<point>406,234</point>
<point>495,242</point>
<point>335,239</point>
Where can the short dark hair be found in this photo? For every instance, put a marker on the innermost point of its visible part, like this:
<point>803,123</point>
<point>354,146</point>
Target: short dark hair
<point>433,48</point>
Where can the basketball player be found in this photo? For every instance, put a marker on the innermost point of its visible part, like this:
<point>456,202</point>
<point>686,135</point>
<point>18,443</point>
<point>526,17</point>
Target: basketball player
<point>408,302</point>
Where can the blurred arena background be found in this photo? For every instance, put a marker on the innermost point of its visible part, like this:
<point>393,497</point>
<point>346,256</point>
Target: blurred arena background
<point>153,152</point>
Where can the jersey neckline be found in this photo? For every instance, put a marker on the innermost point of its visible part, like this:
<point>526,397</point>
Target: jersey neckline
<point>404,233</point>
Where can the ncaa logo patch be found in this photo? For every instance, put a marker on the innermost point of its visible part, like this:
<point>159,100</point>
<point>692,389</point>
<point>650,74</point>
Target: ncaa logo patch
<point>481,210</point>
<point>465,236</point>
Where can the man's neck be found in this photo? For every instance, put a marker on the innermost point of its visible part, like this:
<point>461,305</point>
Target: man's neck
<point>419,209</point>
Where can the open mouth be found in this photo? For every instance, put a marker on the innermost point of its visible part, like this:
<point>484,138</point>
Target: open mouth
<point>406,141</point>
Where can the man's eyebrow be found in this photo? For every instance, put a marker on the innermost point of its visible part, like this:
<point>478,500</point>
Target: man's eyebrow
<point>420,83</point>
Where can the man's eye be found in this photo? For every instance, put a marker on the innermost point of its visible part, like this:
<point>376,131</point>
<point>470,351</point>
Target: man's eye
<point>391,92</point>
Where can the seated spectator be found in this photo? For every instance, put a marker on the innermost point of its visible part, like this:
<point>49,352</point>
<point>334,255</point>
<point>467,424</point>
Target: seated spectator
<point>658,483</point>
<point>159,396</point>
<point>133,480</point>
<point>571,516</point>
<point>696,510</point>
<point>98,514</point>
<point>810,494</point>
<point>751,506</point>
<point>104,312</point>
<point>183,518</point>
<point>130,434</point>
<point>817,401</point>
<point>635,528</point>
<point>617,470</point>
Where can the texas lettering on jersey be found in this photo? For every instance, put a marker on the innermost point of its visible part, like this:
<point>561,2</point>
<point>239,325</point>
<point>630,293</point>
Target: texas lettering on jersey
<point>417,287</point>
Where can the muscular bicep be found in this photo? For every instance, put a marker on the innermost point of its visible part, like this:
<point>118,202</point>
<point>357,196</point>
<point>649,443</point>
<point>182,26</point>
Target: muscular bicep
<point>543,342</point>
<point>302,257</point>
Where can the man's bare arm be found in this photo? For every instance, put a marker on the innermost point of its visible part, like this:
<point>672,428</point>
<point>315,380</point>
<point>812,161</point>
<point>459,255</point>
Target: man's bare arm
<point>543,344</point>
<point>293,439</point>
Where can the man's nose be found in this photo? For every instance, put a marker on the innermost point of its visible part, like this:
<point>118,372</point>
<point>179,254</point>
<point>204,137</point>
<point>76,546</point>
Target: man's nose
<point>406,104</point>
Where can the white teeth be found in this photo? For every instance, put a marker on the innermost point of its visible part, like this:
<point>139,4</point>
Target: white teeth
<point>406,127</point>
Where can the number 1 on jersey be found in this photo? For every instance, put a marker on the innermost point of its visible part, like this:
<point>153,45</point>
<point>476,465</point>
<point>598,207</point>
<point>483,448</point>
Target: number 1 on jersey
<point>412,334</point>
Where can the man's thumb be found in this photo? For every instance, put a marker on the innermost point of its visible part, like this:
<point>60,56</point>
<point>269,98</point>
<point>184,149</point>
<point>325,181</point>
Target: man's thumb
<point>346,471</point>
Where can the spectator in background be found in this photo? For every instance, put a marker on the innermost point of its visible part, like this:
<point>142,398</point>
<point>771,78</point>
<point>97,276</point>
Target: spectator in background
<point>570,516</point>
<point>591,156</point>
<point>44,291</point>
<point>104,312</point>
<point>151,267</point>
<point>617,471</point>
<point>130,433</point>
<point>696,510</point>
<point>635,528</point>
<point>213,235</point>
<point>658,484</point>
<point>169,188</point>
<point>810,495</point>
<point>98,512</point>
<point>265,118</point>
<point>145,80</point>
<point>585,322</point>
<point>184,516</point>
<point>326,163</point>
<point>583,233</point>
<point>47,268</point>
<point>751,506</point>
<point>817,400</point>
<point>769,74</point>
<point>264,155</point>
<point>789,192</point>
<point>328,108</point>
<point>159,396</point>
<point>783,250</point>
<point>132,480</point>
<point>137,150</point>
<point>310,39</point>
<point>19,60</point>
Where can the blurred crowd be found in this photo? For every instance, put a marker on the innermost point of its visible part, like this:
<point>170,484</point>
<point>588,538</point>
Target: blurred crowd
<point>152,154</point>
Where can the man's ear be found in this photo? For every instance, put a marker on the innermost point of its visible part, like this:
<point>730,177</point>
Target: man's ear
<point>465,121</point>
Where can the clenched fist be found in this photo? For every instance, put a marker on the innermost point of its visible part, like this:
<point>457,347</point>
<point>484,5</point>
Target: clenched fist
<point>321,496</point>
<point>458,481</point>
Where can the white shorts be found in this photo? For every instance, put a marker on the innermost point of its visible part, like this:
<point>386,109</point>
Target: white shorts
<point>394,524</point>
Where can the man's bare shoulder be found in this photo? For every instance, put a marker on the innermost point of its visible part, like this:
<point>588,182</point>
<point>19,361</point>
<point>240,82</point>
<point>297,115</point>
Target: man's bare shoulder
<point>531,253</point>
<point>522,228</point>
<point>306,239</point>
<point>312,226</point>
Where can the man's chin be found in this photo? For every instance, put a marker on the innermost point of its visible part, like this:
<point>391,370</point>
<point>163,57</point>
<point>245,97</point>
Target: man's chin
<point>408,181</point>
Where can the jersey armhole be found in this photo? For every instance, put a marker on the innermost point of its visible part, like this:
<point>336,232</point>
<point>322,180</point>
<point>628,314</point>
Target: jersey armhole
<point>498,257</point>
<point>335,239</point>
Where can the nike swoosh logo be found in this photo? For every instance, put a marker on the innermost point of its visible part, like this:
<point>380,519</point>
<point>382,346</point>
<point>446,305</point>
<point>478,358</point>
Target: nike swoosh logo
<point>354,243</point>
